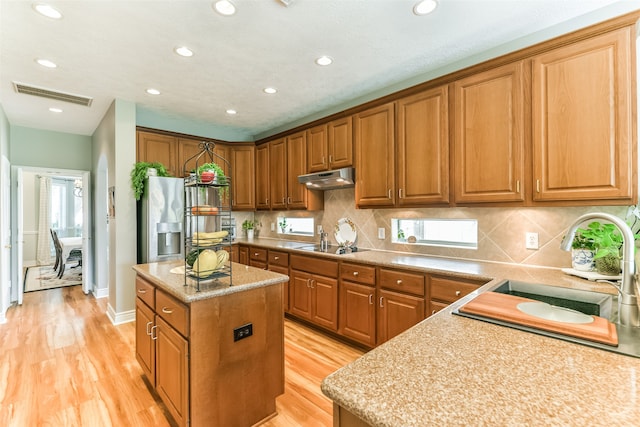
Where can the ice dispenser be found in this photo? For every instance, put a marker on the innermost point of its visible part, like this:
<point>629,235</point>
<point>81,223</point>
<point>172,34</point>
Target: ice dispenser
<point>169,238</point>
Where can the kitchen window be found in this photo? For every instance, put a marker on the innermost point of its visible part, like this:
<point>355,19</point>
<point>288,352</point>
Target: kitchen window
<point>295,226</point>
<point>455,233</point>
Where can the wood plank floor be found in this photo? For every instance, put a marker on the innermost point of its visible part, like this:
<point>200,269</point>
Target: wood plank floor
<point>62,363</point>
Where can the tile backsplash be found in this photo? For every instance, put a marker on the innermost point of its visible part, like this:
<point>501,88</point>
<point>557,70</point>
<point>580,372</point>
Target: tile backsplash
<point>501,231</point>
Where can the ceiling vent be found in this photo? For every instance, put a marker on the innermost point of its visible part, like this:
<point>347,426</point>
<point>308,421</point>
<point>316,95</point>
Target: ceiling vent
<point>52,94</point>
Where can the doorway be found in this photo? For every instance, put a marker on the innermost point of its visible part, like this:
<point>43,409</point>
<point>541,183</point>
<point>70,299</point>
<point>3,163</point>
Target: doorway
<point>69,208</point>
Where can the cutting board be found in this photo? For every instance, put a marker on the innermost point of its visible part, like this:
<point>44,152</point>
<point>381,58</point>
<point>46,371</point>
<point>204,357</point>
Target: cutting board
<point>504,307</point>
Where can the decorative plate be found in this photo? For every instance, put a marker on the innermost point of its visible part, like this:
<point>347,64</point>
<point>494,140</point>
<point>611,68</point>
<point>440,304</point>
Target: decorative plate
<point>345,232</point>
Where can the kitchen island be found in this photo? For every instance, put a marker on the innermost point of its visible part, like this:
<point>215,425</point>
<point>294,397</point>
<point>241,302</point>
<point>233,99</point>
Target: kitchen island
<point>215,356</point>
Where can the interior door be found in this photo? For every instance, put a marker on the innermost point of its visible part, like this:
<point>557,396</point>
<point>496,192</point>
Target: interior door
<point>87,259</point>
<point>19,242</point>
<point>5,235</point>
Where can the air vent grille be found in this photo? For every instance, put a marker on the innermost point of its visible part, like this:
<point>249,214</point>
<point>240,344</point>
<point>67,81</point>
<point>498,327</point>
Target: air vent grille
<point>52,94</point>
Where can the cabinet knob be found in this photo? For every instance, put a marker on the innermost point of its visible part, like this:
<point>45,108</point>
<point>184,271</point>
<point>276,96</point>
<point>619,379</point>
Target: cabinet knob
<point>276,258</point>
<point>355,273</point>
<point>167,310</point>
<point>399,282</point>
<point>330,159</point>
<point>458,293</point>
<point>255,254</point>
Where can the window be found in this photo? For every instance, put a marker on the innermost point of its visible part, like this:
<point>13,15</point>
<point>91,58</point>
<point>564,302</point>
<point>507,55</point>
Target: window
<point>457,233</point>
<point>299,226</point>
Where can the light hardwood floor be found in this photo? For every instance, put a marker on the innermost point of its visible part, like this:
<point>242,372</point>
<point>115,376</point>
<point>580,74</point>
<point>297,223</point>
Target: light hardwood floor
<point>62,363</point>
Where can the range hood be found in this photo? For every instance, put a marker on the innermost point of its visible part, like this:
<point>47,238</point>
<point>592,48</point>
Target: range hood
<point>329,180</point>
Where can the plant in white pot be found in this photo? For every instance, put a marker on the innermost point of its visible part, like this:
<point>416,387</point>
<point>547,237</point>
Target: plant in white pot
<point>249,226</point>
<point>607,242</point>
<point>583,250</point>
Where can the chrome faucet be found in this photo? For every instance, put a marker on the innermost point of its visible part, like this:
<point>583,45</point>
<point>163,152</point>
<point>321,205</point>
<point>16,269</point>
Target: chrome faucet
<point>324,242</point>
<point>628,312</point>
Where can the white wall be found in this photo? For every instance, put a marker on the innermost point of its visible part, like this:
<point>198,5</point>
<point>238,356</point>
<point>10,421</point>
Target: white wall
<point>5,233</point>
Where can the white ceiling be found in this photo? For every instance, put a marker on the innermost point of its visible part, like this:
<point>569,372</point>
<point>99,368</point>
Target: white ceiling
<point>107,49</point>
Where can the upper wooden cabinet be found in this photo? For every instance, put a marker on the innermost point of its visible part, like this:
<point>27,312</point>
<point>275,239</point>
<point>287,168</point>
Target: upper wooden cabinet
<point>155,147</point>
<point>330,146</point>
<point>296,165</point>
<point>489,136</point>
<point>242,159</point>
<point>583,145</point>
<point>423,148</point>
<point>375,154</point>
<point>278,173</point>
<point>262,177</point>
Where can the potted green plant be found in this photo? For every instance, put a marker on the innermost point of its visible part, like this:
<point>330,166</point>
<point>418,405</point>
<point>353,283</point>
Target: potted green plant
<point>139,174</point>
<point>583,250</point>
<point>607,242</point>
<point>213,173</point>
<point>283,225</point>
<point>249,226</point>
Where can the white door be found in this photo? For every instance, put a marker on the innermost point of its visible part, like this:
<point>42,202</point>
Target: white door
<point>19,241</point>
<point>87,259</point>
<point>5,236</point>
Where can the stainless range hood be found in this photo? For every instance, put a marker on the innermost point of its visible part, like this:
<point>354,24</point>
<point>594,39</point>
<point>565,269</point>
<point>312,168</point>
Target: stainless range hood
<point>329,180</point>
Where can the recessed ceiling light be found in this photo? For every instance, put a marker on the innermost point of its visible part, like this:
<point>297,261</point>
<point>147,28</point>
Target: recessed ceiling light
<point>46,63</point>
<point>55,110</point>
<point>425,7</point>
<point>224,7</point>
<point>47,10</point>
<point>231,112</point>
<point>324,60</point>
<point>270,90</point>
<point>183,51</point>
<point>152,91</point>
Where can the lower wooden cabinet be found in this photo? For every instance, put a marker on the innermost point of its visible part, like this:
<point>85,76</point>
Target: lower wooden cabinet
<point>145,345</point>
<point>358,312</point>
<point>397,313</point>
<point>447,290</point>
<point>278,262</point>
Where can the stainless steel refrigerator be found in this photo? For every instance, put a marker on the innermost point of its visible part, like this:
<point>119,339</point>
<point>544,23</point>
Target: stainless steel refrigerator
<point>160,218</point>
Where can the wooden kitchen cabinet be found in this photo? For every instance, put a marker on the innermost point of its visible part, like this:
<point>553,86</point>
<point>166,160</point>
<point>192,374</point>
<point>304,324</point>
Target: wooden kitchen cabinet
<point>423,148</point>
<point>278,262</point>
<point>330,146</point>
<point>145,345</point>
<point>156,147</point>
<point>262,177</point>
<point>374,139</point>
<point>445,290</point>
<point>401,302</point>
<point>187,149</point>
<point>583,142</point>
<point>489,136</point>
<point>278,173</point>
<point>357,311</point>
<point>258,257</point>
<point>296,165</point>
<point>242,160</point>
<point>314,290</point>
<point>243,255</point>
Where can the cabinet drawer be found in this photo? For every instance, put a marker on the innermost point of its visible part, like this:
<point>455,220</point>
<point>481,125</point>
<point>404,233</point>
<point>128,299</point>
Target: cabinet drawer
<point>402,281</point>
<point>450,289</point>
<point>279,258</point>
<point>323,267</point>
<point>146,292</point>
<point>436,306</point>
<point>173,312</point>
<point>258,254</point>
<point>358,273</point>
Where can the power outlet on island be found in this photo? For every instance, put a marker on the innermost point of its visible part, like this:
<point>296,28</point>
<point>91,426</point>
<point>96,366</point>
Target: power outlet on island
<point>531,240</point>
<point>242,332</point>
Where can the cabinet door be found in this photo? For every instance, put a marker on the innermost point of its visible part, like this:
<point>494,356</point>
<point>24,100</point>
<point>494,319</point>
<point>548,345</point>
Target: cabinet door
<point>489,136</point>
<point>262,177</point>
<point>375,156</point>
<point>317,146</point>
<point>340,134</point>
<point>423,148</point>
<point>300,294</point>
<point>397,313</point>
<point>145,346</point>
<point>172,371</point>
<point>357,312</point>
<point>188,149</point>
<point>582,118</point>
<point>285,285</point>
<point>154,147</point>
<point>325,302</point>
<point>243,178</point>
<point>296,165</point>
<point>243,255</point>
<point>278,173</point>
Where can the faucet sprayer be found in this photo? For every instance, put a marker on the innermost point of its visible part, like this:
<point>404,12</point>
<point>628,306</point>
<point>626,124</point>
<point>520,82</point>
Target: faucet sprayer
<point>628,310</point>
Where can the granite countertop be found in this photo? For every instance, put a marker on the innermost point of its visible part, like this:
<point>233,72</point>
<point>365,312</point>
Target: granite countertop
<point>450,370</point>
<point>243,278</point>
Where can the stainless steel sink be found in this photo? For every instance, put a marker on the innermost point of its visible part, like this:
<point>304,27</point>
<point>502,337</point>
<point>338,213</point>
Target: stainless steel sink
<point>587,302</point>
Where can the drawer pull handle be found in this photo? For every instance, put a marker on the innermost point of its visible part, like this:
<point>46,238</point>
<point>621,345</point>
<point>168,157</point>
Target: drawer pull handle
<point>381,303</point>
<point>154,336</point>
<point>433,311</point>
<point>458,293</point>
<point>142,291</point>
<point>255,254</point>
<point>149,327</point>
<point>276,258</point>
<point>166,310</point>
<point>355,273</point>
<point>371,299</point>
<point>399,282</point>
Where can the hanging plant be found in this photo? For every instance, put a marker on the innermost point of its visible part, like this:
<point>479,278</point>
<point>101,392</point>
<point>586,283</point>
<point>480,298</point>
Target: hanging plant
<point>139,174</point>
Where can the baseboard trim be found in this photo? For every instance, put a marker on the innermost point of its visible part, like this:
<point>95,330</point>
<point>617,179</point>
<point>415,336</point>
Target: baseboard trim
<point>100,293</point>
<point>120,318</point>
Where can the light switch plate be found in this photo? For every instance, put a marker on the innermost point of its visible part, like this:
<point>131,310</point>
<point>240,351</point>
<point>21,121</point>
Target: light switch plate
<point>531,240</point>
<point>381,233</point>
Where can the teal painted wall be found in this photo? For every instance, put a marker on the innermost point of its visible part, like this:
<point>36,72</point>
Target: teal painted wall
<point>156,120</point>
<point>43,148</point>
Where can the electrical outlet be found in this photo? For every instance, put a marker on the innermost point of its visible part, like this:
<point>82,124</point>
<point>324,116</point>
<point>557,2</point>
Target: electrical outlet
<point>242,332</point>
<point>320,230</point>
<point>273,226</point>
<point>531,240</point>
<point>381,233</point>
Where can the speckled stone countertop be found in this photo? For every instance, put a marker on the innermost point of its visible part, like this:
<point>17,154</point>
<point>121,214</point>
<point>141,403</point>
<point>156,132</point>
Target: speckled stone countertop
<point>243,278</point>
<point>454,371</point>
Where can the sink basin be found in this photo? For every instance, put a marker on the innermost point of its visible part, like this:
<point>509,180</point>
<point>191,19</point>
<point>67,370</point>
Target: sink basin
<point>569,306</point>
